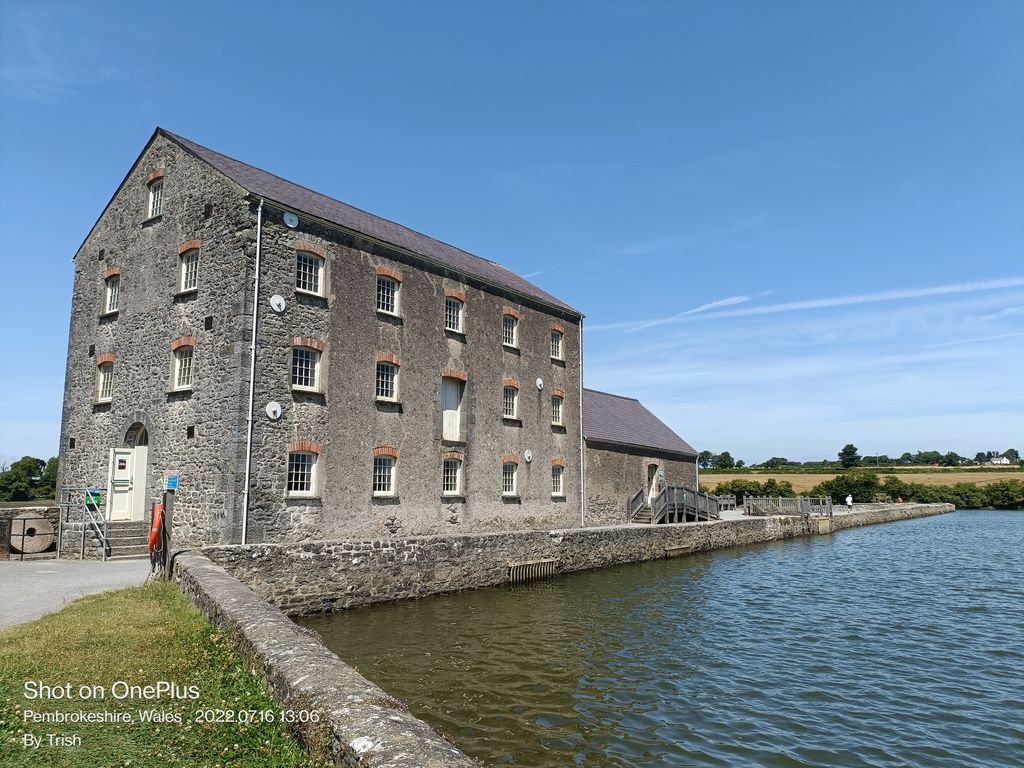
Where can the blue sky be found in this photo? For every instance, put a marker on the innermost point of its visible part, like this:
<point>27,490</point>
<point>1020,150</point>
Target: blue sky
<point>791,225</point>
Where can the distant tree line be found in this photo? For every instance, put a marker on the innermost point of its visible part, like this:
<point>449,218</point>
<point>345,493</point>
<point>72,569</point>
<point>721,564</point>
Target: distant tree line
<point>28,478</point>
<point>865,484</point>
<point>849,458</point>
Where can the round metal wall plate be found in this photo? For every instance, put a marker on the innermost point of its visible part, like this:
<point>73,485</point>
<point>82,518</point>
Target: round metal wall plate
<point>277,303</point>
<point>274,410</point>
<point>291,220</point>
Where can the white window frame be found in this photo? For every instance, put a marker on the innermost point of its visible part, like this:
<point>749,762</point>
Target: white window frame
<point>155,198</point>
<point>388,287</point>
<point>302,493</point>
<point>316,262</point>
<point>557,407</point>
<point>181,354</point>
<point>557,481</point>
<point>509,478</point>
<point>105,383</point>
<point>112,294</point>
<point>557,341</point>
<point>382,367</point>
<point>453,307</point>
<point>446,465</point>
<point>506,400</point>
<point>451,418</point>
<point>315,355</point>
<point>382,465</point>
<point>188,262</point>
<point>510,328</point>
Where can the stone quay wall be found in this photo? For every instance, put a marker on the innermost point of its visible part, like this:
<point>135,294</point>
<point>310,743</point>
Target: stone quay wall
<point>362,726</point>
<point>323,576</point>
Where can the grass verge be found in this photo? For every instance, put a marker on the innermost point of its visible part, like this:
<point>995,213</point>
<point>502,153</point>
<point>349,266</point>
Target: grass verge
<point>140,636</point>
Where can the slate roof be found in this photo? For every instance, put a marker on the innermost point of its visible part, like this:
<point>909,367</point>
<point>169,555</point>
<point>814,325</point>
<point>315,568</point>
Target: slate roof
<point>303,200</point>
<point>624,421</point>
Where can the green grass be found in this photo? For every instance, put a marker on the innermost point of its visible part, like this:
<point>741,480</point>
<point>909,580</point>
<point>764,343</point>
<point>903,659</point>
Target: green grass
<point>140,635</point>
<point>29,503</point>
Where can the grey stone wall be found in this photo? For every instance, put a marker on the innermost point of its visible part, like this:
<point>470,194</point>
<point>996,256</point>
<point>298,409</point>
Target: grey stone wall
<point>614,474</point>
<point>344,418</point>
<point>152,315</point>
<point>362,725</point>
<point>348,422</point>
<point>315,577</point>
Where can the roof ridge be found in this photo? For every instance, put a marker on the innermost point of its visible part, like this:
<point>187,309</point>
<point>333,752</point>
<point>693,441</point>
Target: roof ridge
<point>183,141</point>
<point>612,394</point>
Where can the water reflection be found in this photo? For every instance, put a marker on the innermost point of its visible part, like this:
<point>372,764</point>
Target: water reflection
<point>889,645</point>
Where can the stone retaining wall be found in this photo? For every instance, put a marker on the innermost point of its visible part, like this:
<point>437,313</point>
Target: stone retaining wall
<point>363,726</point>
<point>317,577</point>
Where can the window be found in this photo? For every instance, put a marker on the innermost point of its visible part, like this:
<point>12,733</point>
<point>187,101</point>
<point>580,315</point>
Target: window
<point>557,487</point>
<point>508,478</point>
<point>309,272</point>
<point>387,381</point>
<point>511,401</point>
<point>387,295</point>
<point>183,367</point>
<point>556,410</point>
<point>383,476</point>
<point>305,368</point>
<point>105,383</point>
<point>301,473</point>
<point>556,345</point>
<point>510,331</point>
<point>113,293</point>
<point>156,198</point>
<point>451,408</point>
<point>188,271</point>
<point>453,314</point>
<point>451,477</point>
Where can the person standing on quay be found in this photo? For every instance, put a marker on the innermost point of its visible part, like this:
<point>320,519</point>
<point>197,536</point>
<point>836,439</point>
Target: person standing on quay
<point>849,502</point>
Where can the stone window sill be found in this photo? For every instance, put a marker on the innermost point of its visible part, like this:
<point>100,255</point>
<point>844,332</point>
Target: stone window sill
<point>111,315</point>
<point>180,391</point>
<point>152,220</point>
<point>511,498</point>
<point>389,316</point>
<point>510,348</point>
<point>186,293</point>
<point>314,294</point>
<point>305,390</point>
<point>512,421</point>
<point>302,497</point>
<point>454,497</point>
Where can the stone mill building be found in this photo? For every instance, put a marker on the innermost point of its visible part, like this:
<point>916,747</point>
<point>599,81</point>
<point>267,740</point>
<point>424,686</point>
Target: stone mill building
<point>314,371</point>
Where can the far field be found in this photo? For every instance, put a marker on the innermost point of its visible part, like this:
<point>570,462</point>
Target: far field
<point>804,481</point>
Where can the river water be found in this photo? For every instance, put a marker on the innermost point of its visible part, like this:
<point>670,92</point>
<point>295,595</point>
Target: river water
<point>890,645</point>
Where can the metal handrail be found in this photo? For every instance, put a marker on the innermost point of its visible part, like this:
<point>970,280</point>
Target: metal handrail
<point>798,506</point>
<point>83,504</point>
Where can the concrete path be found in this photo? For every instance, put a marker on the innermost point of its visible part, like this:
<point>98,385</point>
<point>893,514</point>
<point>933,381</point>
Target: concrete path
<point>31,588</point>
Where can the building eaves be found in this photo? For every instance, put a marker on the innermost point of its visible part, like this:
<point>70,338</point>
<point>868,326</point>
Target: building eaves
<point>289,195</point>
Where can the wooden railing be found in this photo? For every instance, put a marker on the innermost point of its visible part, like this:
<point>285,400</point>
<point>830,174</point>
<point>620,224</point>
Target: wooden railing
<point>800,506</point>
<point>634,505</point>
<point>679,504</point>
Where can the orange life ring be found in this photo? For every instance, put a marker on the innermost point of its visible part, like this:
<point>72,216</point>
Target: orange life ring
<point>154,532</point>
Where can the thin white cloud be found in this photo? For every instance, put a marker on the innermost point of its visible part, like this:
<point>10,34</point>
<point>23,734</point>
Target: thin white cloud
<point>827,303</point>
<point>728,302</point>
<point>871,298</point>
<point>1004,312</point>
<point>975,341</point>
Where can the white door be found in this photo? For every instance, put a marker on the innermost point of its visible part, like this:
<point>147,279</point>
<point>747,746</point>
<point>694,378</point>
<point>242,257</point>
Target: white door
<point>451,395</point>
<point>653,488</point>
<point>126,483</point>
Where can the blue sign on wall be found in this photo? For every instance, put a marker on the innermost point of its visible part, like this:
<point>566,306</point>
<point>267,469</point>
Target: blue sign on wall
<point>171,480</point>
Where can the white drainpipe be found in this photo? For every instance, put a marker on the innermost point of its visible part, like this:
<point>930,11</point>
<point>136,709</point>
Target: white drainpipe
<point>252,374</point>
<point>583,455</point>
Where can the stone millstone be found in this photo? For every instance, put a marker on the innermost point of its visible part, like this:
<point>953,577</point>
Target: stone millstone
<point>31,533</point>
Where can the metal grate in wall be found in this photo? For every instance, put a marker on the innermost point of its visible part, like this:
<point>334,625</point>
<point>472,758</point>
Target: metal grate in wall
<point>531,570</point>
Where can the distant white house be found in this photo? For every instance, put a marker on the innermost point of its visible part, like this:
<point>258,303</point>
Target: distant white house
<point>999,460</point>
